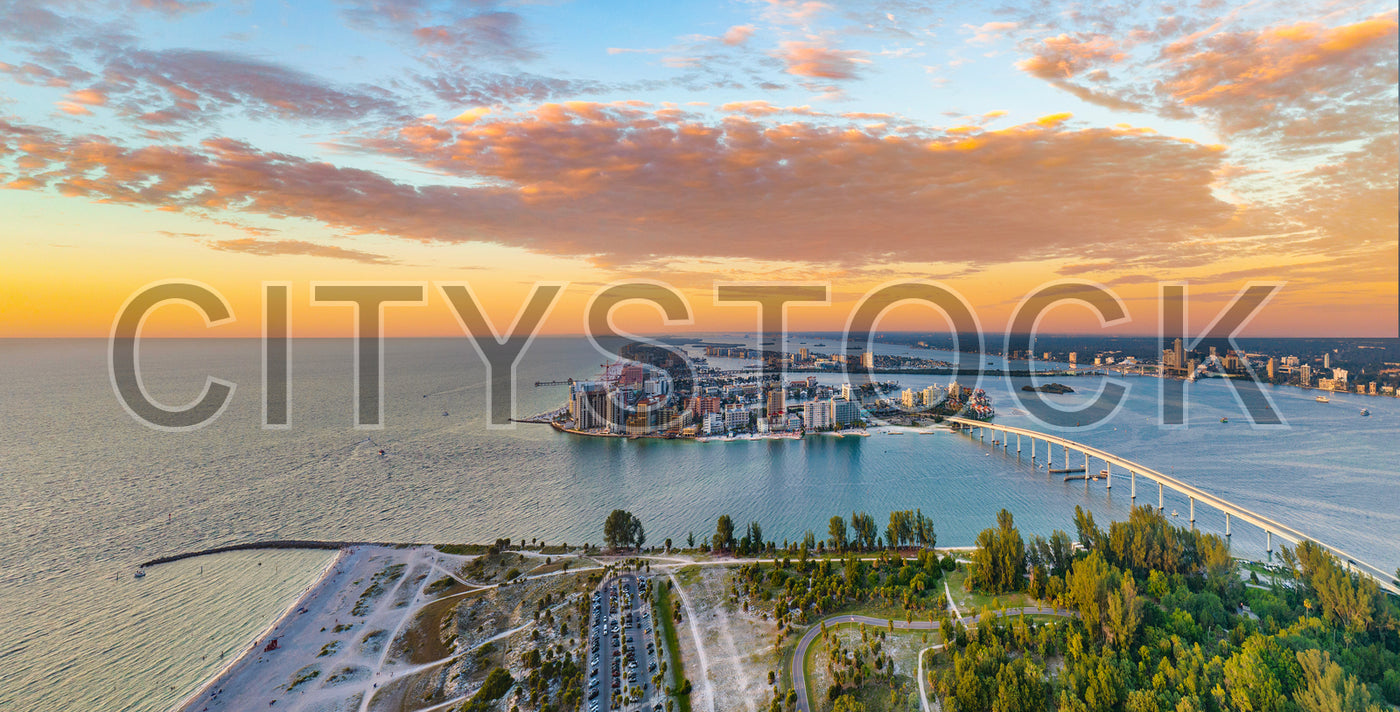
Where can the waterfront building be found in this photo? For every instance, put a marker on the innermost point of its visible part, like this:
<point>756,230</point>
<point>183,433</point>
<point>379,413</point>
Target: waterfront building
<point>776,402</point>
<point>846,391</point>
<point>1271,368</point>
<point>867,359</point>
<point>909,398</point>
<point>704,405</point>
<point>816,414</point>
<point>1074,357</point>
<point>1178,353</point>
<point>955,390</point>
<point>1304,375</point>
<point>1373,388</point>
<point>588,404</point>
<point>714,423</point>
<point>931,396</point>
<point>736,418</point>
<point>617,411</point>
<point>844,412</point>
<point>1341,375</point>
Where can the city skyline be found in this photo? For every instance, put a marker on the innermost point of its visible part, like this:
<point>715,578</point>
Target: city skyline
<point>993,148</point>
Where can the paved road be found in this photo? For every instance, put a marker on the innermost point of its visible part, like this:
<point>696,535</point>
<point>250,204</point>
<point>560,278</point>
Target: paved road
<point>799,680</point>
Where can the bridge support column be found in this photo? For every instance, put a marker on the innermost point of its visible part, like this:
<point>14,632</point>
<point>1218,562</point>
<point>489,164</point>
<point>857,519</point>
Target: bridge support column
<point>1133,475</point>
<point>1086,472</point>
<point>1227,524</point>
<point>1018,443</point>
<point>1269,538</point>
<point>1193,510</point>
<point>1159,496</point>
<point>1108,467</point>
<point>1032,449</point>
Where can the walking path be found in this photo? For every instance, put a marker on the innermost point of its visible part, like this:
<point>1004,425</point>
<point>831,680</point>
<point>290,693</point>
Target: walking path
<point>799,656</point>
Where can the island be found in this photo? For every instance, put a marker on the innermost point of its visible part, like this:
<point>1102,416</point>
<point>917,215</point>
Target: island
<point>1056,388</point>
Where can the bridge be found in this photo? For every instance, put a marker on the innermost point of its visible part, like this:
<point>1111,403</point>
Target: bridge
<point>1194,494</point>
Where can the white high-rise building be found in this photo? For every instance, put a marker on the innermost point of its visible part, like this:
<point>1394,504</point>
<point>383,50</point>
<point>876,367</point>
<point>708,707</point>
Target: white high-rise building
<point>816,414</point>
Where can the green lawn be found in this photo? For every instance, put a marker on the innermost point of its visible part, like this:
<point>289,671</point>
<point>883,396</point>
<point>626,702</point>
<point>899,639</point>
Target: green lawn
<point>675,667</point>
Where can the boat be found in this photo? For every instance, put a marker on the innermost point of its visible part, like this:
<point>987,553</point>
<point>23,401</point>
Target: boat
<point>1323,399</point>
<point>1224,420</point>
<point>1174,513</point>
<point>140,573</point>
<point>1365,412</point>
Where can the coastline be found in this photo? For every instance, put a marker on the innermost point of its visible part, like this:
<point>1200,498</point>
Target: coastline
<point>251,646</point>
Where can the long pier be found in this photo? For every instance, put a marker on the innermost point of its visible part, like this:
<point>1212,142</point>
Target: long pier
<point>1193,494</point>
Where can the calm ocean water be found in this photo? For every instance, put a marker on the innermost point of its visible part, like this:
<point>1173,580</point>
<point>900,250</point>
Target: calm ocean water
<point>89,493</point>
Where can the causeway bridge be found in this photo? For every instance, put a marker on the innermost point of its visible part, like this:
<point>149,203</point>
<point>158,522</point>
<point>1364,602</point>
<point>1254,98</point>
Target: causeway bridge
<point>1135,470</point>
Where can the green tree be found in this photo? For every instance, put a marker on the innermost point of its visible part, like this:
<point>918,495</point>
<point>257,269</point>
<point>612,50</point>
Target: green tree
<point>755,534</point>
<point>1124,612</point>
<point>1328,688</point>
<point>724,533</point>
<point>1000,558</point>
<point>837,530</point>
<point>622,529</point>
<point>1090,536</point>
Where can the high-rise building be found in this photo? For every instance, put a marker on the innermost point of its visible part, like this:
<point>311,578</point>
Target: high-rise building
<point>847,391</point>
<point>804,353</point>
<point>930,396</point>
<point>1178,353</point>
<point>1073,357</point>
<point>1327,359</point>
<point>1305,375</point>
<point>844,412</point>
<point>816,414</point>
<point>588,404</point>
<point>867,359</point>
<point>1272,365</point>
<point>909,398</point>
<point>777,401</point>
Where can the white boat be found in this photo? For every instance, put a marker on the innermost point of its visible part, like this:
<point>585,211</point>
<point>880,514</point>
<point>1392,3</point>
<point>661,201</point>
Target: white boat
<point>1323,399</point>
<point>1365,412</point>
<point>140,573</point>
<point>1174,513</point>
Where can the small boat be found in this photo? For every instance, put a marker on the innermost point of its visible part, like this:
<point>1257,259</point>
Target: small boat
<point>1365,412</point>
<point>1224,420</point>
<point>1174,513</point>
<point>1323,399</point>
<point>381,452</point>
<point>444,414</point>
<point>140,573</point>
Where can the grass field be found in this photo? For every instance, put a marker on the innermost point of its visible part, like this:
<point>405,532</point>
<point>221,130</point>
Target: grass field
<point>675,668</point>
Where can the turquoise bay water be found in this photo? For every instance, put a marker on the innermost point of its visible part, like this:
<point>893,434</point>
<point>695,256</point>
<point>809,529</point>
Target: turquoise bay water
<point>89,493</point>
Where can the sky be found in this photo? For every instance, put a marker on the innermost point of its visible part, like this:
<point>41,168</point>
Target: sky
<point>993,147</point>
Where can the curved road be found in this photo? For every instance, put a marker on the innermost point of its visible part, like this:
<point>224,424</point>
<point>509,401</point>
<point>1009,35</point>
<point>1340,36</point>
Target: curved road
<point>799,680</point>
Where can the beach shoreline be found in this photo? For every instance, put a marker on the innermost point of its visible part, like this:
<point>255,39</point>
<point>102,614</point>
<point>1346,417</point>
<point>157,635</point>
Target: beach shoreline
<point>227,670</point>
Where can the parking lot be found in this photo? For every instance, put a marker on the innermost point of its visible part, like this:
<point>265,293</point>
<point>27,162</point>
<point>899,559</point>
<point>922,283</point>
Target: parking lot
<point>623,654</point>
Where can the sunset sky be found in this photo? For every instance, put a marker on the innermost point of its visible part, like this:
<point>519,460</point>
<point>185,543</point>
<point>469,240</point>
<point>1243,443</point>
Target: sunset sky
<point>991,146</point>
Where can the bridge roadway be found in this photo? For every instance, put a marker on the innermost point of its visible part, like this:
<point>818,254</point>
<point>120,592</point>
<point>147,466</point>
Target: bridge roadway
<point>1134,469</point>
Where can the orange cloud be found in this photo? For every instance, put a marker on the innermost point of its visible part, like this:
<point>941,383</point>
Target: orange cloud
<point>815,59</point>
<point>623,184</point>
<point>274,248</point>
<point>737,35</point>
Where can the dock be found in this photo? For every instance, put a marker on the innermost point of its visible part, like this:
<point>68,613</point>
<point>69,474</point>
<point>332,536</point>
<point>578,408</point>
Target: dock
<point>1068,470</point>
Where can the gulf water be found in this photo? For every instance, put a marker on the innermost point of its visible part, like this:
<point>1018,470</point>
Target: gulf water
<point>88,493</point>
